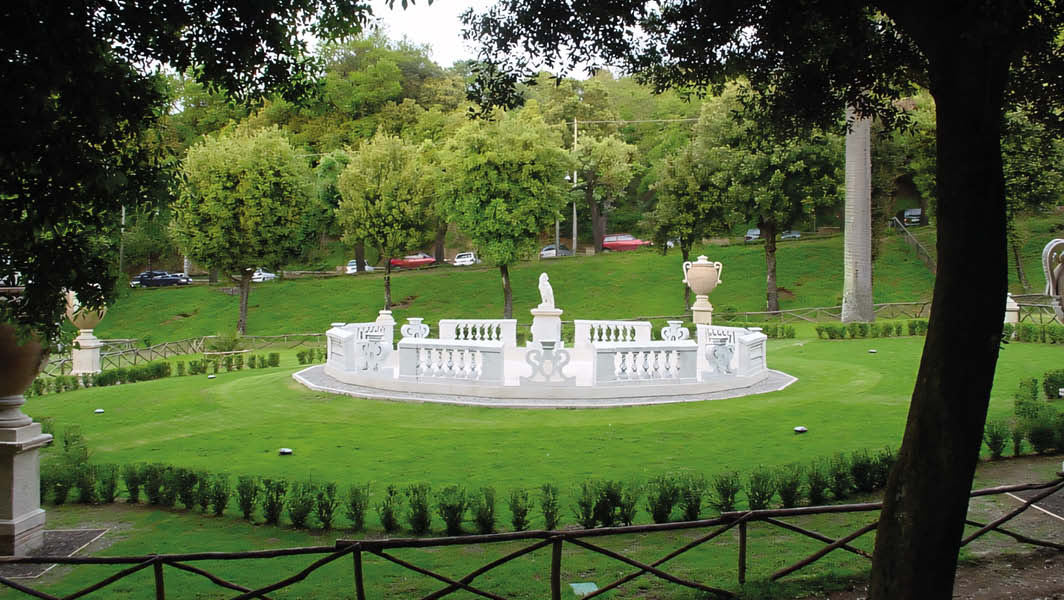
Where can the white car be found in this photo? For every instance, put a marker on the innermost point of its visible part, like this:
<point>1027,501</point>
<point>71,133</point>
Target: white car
<point>352,267</point>
<point>261,275</point>
<point>465,259</point>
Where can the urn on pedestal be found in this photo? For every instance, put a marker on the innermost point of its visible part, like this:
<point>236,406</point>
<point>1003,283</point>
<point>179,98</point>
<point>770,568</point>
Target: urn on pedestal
<point>85,357</point>
<point>702,276</point>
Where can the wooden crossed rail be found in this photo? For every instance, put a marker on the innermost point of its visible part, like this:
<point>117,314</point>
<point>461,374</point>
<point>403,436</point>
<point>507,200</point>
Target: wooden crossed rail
<point>540,539</point>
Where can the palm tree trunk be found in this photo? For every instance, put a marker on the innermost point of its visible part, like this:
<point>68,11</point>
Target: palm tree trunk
<point>772,294</point>
<point>857,303</point>
<point>388,284</point>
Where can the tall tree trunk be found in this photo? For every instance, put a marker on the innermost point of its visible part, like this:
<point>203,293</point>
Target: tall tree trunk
<point>772,295</point>
<point>245,290</point>
<point>441,237</point>
<point>388,284</point>
<point>857,304</point>
<point>507,293</point>
<point>598,222</point>
<point>360,257</point>
<point>212,275</point>
<point>1018,260</point>
<point>926,499</point>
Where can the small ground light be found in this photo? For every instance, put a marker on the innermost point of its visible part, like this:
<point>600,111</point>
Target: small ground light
<point>872,351</point>
<point>211,376</point>
<point>98,411</point>
<point>284,451</point>
<point>800,429</point>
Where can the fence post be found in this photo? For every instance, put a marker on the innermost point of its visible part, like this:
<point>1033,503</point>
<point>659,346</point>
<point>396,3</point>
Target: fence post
<point>556,571</point>
<point>360,590</point>
<point>742,553</point>
<point>160,588</point>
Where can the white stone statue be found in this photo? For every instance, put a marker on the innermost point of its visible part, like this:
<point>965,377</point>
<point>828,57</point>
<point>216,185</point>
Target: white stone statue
<point>546,292</point>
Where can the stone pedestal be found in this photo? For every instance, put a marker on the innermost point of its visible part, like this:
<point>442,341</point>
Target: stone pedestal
<point>547,325</point>
<point>1012,310</point>
<point>702,311</point>
<point>21,516</point>
<point>86,354</point>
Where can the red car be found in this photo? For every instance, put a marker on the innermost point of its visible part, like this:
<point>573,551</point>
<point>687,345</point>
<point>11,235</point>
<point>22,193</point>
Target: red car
<point>619,242</point>
<point>413,261</point>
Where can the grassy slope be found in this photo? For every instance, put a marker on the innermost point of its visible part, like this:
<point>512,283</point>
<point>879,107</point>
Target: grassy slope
<point>615,285</point>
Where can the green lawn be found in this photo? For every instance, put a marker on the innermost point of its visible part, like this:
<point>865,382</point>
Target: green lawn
<point>849,398</point>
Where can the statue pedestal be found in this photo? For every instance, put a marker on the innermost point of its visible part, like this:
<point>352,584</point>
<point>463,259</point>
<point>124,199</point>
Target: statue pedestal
<point>702,310</point>
<point>547,325</point>
<point>21,516</point>
<point>85,356</point>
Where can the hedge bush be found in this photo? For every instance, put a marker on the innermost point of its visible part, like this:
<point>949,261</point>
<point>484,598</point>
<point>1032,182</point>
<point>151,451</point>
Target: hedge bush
<point>1052,382</point>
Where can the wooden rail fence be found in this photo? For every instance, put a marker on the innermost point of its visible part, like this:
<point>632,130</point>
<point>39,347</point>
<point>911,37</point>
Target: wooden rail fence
<point>539,540</point>
<point>127,355</point>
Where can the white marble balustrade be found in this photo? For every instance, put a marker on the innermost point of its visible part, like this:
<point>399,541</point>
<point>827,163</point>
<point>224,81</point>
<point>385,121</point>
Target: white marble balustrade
<point>624,362</point>
<point>480,361</point>
<point>361,347</point>
<point>589,332</point>
<point>747,349</point>
<point>480,330</point>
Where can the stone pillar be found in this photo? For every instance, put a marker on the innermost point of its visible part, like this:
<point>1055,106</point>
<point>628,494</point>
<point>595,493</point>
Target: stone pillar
<point>85,357</point>
<point>702,310</point>
<point>21,516</point>
<point>547,325</point>
<point>1012,310</point>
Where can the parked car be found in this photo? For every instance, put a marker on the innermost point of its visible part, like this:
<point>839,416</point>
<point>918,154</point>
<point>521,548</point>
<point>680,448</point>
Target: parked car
<point>752,234</point>
<point>260,275</point>
<point>912,216</point>
<point>183,277</point>
<point>549,252</point>
<point>790,235</point>
<point>157,279</point>
<point>466,259</point>
<point>619,242</point>
<point>412,261</point>
<point>352,267</point>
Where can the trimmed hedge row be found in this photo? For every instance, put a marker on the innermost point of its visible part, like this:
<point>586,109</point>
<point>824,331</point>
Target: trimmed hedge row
<point>1036,419</point>
<point>831,331</point>
<point>592,503</point>
<point>148,372</point>
<point>1049,333</point>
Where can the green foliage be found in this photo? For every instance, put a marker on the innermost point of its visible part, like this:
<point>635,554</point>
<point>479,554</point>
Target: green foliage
<point>663,492</point>
<point>862,471</point>
<point>482,506</point>
<point>274,359</point>
<point>996,435</point>
<point>789,485</point>
<point>726,487</point>
<point>418,511</point>
<point>106,482</point>
<point>133,477</point>
<point>388,509</point>
<point>186,480</point>
<point>325,503</point>
<point>1017,432</point>
<point>519,504</point>
<point>882,464</point>
<point>818,482</point>
<point>1053,382</point>
<point>247,495</point>
<point>451,505</point>
<point>386,190</point>
<point>840,477</point>
<point>607,502</point>
<point>357,501</point>
<point>171,486</point>
<point>631,492</point>
<point>761,488</point>
<point>1027,401</point>
<point>1042,434</point>
<point>273,494</point>
<point>203,490</point>
<point>585,497</point>
<point>549,506</point>
<point>301,502</point>
<point>153,482</point>
<point>219,493</point>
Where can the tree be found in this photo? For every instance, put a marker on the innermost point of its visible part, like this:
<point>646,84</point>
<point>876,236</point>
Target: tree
<point>605,167</point>
<point>506,184</point>
<point>80,92</point>
<point>243,202</point>
<point>386,190</point>
<point>857,301</point>
<point>808,61</point>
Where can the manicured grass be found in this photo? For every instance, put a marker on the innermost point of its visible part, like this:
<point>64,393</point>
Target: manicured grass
<point>615,285</point>
<point>848,398</point>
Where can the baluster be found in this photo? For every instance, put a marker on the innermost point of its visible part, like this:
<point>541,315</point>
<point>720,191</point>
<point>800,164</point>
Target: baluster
<point>646,364</point>
<point>655,365</point>
<point>621,368</point>
<point>449,368</point>
<point>478,365</point>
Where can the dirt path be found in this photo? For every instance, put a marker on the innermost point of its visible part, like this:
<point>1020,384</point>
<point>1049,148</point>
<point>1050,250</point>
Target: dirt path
<point>996,566</point>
